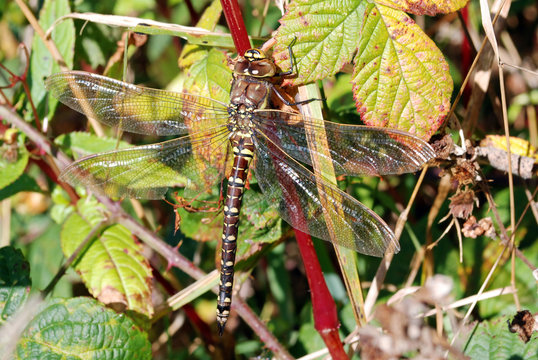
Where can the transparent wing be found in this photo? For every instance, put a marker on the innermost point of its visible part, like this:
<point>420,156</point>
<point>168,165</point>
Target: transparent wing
<point>354,150</point>
<point>316,207</point>
<point>196,162</point>
<point>133,108</point>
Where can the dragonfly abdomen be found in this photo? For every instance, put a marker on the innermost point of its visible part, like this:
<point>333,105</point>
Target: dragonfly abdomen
<point>243,149</point>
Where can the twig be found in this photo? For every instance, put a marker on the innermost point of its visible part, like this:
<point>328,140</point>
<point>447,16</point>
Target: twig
<point>471,299</point>
<point>80,248</point>
<point>373,293</point>
<point>468,76</point>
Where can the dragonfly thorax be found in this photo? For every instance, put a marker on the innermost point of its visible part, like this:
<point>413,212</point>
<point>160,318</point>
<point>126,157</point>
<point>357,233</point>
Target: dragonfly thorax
<point>240,118</point>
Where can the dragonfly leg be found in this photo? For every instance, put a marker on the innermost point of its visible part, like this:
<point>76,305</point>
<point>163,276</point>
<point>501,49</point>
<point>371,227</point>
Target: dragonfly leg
<point>290,71</point>
<point>302,102</point>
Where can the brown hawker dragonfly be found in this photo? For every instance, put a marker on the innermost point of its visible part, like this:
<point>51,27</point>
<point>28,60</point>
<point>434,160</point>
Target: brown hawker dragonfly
<point>250,132</point>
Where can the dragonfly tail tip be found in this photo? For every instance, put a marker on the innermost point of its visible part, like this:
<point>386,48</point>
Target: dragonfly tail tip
<point>220,327</point>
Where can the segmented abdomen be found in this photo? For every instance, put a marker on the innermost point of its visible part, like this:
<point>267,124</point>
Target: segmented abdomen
<point>243,149</point>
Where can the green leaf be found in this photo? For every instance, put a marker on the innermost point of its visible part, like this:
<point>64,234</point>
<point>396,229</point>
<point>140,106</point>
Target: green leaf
<point>84,143</point>
<point>41,61</point>
<point>201,77</point>
<point>23,183</point>
<point>15,281</point>
<point>259,223</point>
<point>13,161</point>
<point>81,328</point>
<point>209,19</point>
<point>400,79</point>
<point>492,340</point>
<point>62,207</point>
<point>424,7</point>
<point>112,266</point>
<point>326,34</point>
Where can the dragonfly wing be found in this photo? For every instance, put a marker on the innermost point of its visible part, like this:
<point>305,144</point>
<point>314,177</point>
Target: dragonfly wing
<point>148,171</point>
<point>134,108</point>
<point>316,207</point>
<point>353,149</point>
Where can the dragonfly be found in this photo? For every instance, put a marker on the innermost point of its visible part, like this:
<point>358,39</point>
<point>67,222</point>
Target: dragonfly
<point>220,142</point>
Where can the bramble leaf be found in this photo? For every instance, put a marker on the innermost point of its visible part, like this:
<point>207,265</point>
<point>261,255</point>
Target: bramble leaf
<point>13,161</point>
<point>400,78</point>
<point>112,267</point>
<point>201,77</point>
<point>326,33</point>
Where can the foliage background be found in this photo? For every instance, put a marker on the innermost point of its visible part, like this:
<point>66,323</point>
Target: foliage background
<point>277,290</point>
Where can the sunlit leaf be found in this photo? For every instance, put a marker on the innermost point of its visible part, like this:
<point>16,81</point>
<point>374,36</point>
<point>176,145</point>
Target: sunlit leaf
<point>400,78</point>
<point>81,328</point>
<point>112,267</point>
<point>210,76</point>
<point>326,33</point>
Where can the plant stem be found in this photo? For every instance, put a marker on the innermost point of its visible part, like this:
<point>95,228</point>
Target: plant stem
<point>80,248</point>
<point>324,309</point>
<point>234,19</point>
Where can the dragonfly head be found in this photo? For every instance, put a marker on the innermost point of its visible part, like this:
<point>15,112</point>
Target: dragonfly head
<point>255,63</point>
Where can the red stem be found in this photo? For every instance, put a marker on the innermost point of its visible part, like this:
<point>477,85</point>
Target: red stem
<point>234,19</point>
<point>49,171</point>
<point>323,306</point>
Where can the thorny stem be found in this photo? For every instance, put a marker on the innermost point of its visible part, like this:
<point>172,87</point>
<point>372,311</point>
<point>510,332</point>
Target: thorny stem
<point>324,309</point>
